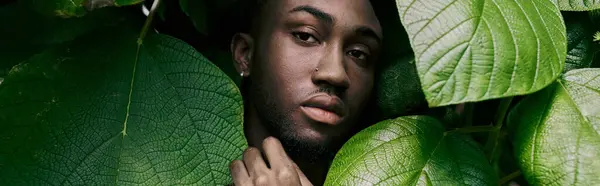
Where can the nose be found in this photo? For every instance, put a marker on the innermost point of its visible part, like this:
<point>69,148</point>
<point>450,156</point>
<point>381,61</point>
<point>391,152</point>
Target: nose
<point>331,70</point>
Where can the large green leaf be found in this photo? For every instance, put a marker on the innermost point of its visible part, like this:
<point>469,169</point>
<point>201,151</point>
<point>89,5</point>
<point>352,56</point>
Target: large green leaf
<point>473,50</point>
<point>578,5</point>
<point>580,46</point>
<point>224,61</point>
<point>410,151</point>
<point>27,32</point>
<point>557,140</point>
<point>99,111</point>
<point>74,8</point>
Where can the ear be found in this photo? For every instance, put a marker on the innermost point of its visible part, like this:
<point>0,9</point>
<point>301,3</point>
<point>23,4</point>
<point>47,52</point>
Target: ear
<point>242,48</point>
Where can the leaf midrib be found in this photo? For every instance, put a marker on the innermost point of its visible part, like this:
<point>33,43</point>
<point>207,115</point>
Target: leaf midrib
<point>128,108</point>
<point>586,123</point>
<point>371,150</point>
<point>430,157</point>
<point>574,103</point>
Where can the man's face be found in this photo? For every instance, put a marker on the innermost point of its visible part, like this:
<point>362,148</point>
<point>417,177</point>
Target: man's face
<point>312,69</point>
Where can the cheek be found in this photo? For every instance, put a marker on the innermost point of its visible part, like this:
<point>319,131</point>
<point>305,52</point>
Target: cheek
<point>286,66</point>
<point>290,58</point>
<point>360,90</point>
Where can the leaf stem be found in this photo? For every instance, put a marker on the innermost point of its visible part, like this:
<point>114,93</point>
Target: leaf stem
<point>491,146</point>
<point>509,177</point>
<point>501,112</point>
<point>148,22</point>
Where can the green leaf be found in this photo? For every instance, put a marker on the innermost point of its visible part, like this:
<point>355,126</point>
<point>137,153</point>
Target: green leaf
<point>580,52</point>
<point>199,14</point>
<point>410,151</point>
<point>32,32</point>
<point>474,50</point>
<point>578,5</point>
<point>557,140</point>
<point>100,111</point>
<point>225,62</point>
<point>74,8</point>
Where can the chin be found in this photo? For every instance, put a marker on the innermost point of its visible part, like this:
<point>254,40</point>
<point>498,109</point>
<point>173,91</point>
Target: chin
<point>310,135</point>
<point>312,132</point>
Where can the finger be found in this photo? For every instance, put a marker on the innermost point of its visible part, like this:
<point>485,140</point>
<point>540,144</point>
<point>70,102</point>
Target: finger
<point>276,155</point>
<point>255,165</point>
<point>303,179</point>
<point>239,174</point>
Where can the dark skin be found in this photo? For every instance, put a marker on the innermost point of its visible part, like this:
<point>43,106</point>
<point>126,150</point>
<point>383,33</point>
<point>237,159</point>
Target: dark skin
<point>309,68</point>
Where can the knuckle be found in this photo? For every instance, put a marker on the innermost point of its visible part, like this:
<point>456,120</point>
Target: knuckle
<point>233,164</point>
<point>285,174</point>
<point>250,150</point>
<point>261,180</point>
<point>246,184</point>
<point>270,140</point>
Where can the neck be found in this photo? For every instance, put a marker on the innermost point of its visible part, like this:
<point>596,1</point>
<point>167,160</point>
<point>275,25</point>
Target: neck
<point>256,132</point>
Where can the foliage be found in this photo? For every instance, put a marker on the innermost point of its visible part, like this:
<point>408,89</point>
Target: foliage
<point>428,158</point>
<point>468,51</point>
<point>102,109</point>
<point>557,131</point>
<point>90,94</point>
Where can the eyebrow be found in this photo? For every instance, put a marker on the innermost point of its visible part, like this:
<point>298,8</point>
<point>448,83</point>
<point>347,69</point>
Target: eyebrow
<point>322,16</point>
<point>368,32</point>
<point>328,19</point>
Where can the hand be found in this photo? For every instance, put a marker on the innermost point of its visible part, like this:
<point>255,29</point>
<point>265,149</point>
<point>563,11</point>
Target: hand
<point>254,171</point>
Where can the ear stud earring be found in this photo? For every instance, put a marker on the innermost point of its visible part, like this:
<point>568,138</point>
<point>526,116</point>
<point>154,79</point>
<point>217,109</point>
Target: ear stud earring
<point>317,69</point>
<point>242,74</point>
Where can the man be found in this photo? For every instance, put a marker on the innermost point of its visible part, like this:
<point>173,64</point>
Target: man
<point>308,71</point>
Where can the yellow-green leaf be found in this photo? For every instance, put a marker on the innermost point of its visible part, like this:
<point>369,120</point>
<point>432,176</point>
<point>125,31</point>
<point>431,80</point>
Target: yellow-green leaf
<point>474,50</point>
<point>410,150</point>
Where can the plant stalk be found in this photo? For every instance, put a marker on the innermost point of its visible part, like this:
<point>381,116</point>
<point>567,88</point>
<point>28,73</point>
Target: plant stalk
<point>491,146</point>
<point>501,112</point>
<point>509,177</point>
<point>148,22</point>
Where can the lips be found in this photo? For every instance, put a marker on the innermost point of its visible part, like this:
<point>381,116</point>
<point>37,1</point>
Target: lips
<point>324,108</point>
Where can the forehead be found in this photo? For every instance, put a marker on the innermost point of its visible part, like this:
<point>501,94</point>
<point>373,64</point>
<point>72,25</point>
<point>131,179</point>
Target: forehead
<point>344,12</point>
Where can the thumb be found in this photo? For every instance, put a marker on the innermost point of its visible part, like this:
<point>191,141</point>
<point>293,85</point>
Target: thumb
<point>303,179</point>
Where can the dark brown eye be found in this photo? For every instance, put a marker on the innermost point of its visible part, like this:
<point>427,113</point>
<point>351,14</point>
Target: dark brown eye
<point>357,54</point>
<point>305,37</point>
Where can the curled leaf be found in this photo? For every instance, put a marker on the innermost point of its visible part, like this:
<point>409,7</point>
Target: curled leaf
<point>557,140</point>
